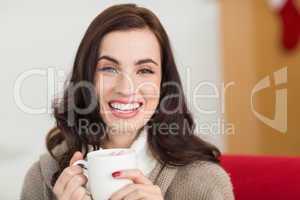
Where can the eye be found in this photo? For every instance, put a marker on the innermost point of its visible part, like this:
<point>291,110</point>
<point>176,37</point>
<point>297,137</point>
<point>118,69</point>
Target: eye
<point>145,71</point>
<point>109,69</point>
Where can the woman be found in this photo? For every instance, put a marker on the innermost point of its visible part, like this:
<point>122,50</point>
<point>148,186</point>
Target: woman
<point>125,92</point>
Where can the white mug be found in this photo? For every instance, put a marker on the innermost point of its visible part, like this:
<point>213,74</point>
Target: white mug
<point>99,167</point>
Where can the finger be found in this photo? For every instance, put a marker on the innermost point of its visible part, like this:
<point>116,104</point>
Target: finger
<point>136,191</point>
<point>76,156</point>
<point>136,195</point>
<point>80,194</point>
<point>120,194</point>
<point>87,197</point>
<point>65,177</point>
<point>133,174</point>
<point>74,184</point>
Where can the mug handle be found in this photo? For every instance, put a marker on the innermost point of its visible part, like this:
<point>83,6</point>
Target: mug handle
<point>84,165</point>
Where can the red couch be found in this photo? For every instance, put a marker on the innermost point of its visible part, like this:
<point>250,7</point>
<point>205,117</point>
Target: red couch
<point>263,177</point>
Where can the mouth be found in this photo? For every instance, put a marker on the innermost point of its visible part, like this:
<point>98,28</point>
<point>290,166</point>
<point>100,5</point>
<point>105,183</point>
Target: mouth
<point>125,109</point>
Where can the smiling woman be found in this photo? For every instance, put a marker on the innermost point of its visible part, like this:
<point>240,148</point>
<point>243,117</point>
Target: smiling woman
<point>128,79</point>
<point>125,80</point>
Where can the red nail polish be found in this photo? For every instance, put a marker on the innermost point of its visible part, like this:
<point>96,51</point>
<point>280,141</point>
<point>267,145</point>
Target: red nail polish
<point>116,174</point>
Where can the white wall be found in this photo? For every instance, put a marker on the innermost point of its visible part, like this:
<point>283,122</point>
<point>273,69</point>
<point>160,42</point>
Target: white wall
<point>42,34</point>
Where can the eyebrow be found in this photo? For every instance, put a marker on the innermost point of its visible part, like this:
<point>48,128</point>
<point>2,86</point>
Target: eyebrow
<point>139,62</point>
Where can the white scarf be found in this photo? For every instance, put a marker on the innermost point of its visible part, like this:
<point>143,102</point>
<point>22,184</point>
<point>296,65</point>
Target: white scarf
<point>145,160</point>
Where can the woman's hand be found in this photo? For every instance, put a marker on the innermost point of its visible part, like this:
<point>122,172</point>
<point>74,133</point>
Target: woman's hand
<point>69,185</point>
<point>142,187</point>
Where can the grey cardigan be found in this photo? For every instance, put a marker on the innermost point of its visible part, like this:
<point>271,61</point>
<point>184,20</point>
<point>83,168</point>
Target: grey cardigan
<point>199,180</point>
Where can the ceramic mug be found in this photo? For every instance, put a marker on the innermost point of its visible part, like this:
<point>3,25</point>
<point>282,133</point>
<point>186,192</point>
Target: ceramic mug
<point>99,167</point>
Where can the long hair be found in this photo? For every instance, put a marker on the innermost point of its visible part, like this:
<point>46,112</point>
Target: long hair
<point>178,148</point>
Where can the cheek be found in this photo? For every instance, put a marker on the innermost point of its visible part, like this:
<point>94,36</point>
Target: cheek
<point>104,87</point>
<point>150,91</point>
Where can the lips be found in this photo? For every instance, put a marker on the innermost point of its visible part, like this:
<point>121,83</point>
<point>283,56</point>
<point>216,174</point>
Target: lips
<point>124,108</point>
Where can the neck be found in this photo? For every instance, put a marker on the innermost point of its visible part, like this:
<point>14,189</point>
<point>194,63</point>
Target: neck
<point>120,139</point>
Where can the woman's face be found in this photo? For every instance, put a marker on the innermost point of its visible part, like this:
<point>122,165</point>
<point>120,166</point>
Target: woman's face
<point>128,77</point>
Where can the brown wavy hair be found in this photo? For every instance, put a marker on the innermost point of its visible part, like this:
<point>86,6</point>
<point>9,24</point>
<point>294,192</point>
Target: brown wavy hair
<point>177,149</point>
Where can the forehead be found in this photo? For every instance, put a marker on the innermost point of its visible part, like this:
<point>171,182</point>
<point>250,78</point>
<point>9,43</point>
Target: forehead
<point>131,45</point>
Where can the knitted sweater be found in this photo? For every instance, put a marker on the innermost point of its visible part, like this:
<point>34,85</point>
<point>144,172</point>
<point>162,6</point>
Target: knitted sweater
<point>200,180</point>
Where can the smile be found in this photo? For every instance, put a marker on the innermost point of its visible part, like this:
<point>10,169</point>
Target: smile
<point>125,107</point>
<point>124,110</point>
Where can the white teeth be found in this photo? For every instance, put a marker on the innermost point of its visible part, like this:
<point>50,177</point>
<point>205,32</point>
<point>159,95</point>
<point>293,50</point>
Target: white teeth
<point>121,106</point>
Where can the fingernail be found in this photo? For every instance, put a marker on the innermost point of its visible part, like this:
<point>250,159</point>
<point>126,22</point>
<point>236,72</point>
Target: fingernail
<point>116,174</point>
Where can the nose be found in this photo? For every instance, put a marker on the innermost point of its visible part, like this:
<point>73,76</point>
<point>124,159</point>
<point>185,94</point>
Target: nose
<point>125,85</point>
